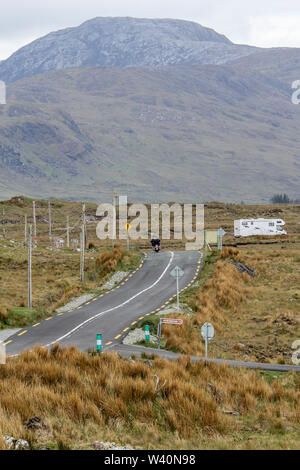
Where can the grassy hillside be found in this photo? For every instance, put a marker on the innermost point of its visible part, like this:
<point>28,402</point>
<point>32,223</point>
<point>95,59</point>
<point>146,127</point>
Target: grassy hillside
<point>182,133</point>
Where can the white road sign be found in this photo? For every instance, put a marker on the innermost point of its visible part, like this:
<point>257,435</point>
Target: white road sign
<point>177,272</point>
<point>222,233</point>
<point>208,331</point>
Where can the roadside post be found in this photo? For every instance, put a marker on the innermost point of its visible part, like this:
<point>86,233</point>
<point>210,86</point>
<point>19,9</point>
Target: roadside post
<point>221,234</point>
<point>177,273</point>
<point>147,333</point>
<point>166,321</point>
<point>208,332</point>
<point>128,228</point>
<point>99,343</point>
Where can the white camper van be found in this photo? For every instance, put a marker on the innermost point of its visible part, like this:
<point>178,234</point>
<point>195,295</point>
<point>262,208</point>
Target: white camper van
<point>250,227</point>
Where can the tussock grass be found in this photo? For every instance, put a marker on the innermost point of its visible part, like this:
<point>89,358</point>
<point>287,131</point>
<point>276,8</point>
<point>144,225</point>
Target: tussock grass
<point>108,261</point>
<point>256,319</point>
<point>222,293</point>
<point>55,279</point>
<point>86,398</point>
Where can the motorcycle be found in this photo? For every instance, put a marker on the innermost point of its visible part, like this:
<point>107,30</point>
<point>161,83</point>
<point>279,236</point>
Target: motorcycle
<point>157,248</point>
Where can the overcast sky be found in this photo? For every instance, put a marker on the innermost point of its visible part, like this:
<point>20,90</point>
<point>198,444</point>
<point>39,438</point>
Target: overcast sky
<point>265,23</point>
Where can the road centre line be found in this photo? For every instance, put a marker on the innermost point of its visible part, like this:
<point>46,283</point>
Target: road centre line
<point>118,306</point>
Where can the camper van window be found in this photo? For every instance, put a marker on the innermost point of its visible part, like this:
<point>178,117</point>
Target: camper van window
<point>279,228</point>
<point>245,224</point>
<point>271,224</point>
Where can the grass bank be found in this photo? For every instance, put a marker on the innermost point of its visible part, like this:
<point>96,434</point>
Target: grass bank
<point>83,398</point>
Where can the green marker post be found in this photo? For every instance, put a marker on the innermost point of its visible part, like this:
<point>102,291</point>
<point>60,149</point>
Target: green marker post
<point>147,333</point>
<point>99,343</point>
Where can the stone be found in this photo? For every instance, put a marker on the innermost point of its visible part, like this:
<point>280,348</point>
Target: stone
<point>98,445</point>
<point>35,423</point>
<point>138,335</point>
<point>16,444</point>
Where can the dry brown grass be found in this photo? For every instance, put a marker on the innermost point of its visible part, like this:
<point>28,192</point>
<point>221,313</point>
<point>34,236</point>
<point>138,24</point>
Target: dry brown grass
<point>108,261</point>
<point>231,253</point>
<point>255,319</point>
<point>55,276</point>
<point>223,293</point>
<point>82,399</point>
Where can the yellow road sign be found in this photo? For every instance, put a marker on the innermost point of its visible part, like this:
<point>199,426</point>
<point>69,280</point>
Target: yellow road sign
<point>128,227</point>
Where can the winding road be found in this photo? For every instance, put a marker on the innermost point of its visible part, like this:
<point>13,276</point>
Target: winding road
<point>147,290</point>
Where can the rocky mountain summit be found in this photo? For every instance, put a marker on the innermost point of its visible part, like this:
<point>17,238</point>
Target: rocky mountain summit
<point>123,42</point>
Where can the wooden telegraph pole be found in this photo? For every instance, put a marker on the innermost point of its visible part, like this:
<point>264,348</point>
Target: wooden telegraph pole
<point>82,249</point>
<point>84,225</point>
<point>68,231</point>
<point>29,268</point>
<point>25,230</point>
<point>115,218</point>
<point>34,221</point>
<point>50,225</point>
<point>3,222</point>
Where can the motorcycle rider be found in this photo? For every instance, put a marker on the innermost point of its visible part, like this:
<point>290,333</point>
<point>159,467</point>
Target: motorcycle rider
<point>155,242</point>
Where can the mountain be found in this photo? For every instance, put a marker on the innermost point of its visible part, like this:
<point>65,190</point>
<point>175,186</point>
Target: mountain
<point>123,42</point>
<point>158,109</point>
<point>187,133</point>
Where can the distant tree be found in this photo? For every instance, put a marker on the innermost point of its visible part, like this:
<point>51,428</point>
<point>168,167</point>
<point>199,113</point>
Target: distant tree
<point>280,199</point>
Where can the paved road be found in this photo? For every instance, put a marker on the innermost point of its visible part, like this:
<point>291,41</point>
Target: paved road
<point>147,290</point>
<point>128,351</point>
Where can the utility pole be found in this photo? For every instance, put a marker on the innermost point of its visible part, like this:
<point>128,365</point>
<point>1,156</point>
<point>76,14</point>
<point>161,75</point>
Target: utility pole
<point>25,230</point>
<point>115,218</point>
<point>84,225</point>
<point>34,222</point>
<point>50,225</point>
<point>82,249</point>
<point>68,231</point>
<point>3,222</point>
<point>29,268</point>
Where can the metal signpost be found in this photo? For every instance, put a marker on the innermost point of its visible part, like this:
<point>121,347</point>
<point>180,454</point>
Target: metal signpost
<point>208,332</point>
<point>166,321</point>
<point>221,234</point>
<point>177,273</point>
